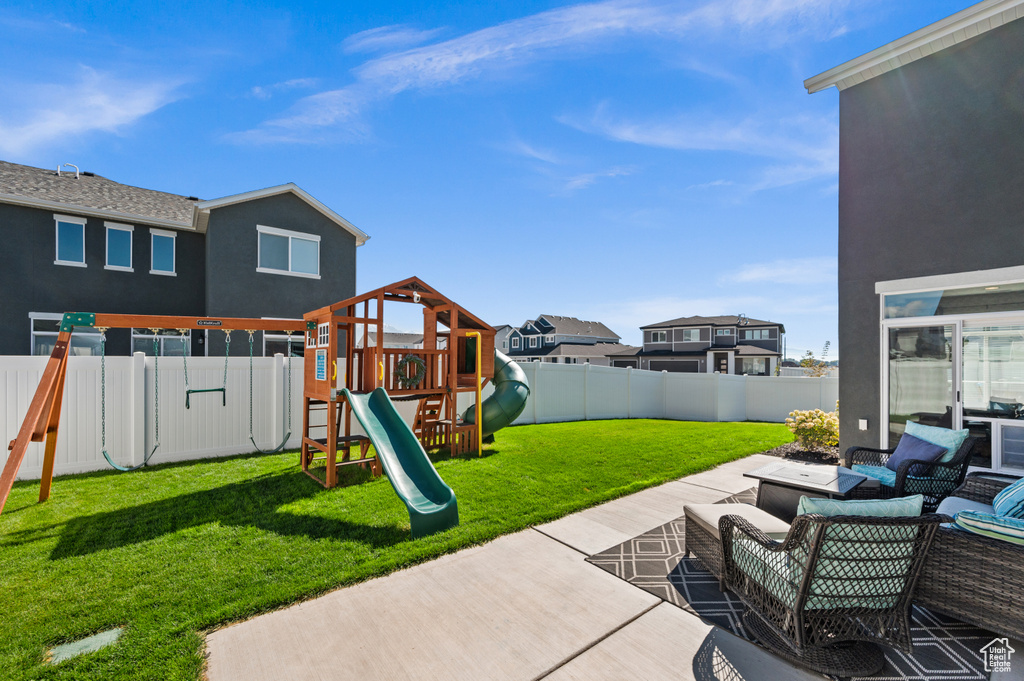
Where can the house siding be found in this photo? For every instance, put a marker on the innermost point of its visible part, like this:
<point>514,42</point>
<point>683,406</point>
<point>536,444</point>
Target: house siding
<point>931,157</point>
<point>232,246</point>
<point>33,283</point>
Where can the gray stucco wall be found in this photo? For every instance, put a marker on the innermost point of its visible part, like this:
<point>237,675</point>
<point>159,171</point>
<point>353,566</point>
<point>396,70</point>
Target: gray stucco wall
<point>931,161</point>
<point>31,282</point>
<point>235,289</point>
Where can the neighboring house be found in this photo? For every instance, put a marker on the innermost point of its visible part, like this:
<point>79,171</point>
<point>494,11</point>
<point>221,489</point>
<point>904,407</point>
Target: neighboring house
<point>394,339</point>
<point>80,242</point>
<point>501,336</point>
<point>563,340</point>
<point>931,260</point>
<point>728,344</point>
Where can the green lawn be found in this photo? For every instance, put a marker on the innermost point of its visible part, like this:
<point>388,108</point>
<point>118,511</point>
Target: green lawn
<point>173,550</point>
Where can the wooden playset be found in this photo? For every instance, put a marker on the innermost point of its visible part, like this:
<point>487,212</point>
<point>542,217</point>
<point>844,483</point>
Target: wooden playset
<point>344,356</point>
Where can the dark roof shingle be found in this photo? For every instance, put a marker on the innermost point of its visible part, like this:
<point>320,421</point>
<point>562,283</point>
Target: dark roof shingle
<point>94,192</point>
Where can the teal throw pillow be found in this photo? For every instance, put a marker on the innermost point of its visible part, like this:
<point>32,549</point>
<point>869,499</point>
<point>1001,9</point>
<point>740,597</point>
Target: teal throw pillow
<point>875,508</point>
<point>1010,502</point>
<point>950,439</point>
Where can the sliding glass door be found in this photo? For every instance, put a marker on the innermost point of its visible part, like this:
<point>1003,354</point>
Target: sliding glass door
<point>922,377</point>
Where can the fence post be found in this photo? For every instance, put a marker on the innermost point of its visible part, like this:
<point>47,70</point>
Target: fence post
<point>277,398</point>
<point>536,393</point>
<point>629,392</point>
<point>137,406</point>
<point>664,394</point>
<point>586,387</point>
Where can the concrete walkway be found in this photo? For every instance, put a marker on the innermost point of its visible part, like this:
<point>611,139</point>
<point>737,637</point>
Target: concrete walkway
<point>525,606</point>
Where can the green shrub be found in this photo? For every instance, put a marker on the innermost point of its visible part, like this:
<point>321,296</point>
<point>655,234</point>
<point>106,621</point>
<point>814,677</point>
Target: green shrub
<point>815,427</point>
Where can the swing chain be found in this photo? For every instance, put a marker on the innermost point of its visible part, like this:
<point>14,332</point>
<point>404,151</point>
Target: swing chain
<point>184,355</point>
<point>103,387</point>
<point>156,396</point>
<point>227,352</point>
<point>251,332</point>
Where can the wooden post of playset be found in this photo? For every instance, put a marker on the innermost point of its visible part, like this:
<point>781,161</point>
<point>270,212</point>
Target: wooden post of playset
<point>478,409</point>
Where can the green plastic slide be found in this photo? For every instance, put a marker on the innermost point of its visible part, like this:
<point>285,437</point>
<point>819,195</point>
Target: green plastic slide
<point>431,503</point>
<point>507,401</point>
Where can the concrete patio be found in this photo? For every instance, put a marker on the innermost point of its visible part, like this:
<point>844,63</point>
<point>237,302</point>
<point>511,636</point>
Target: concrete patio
<point>525,606</point>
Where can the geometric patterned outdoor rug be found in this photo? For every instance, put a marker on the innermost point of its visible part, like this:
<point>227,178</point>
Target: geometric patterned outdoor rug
<point>943,647</point>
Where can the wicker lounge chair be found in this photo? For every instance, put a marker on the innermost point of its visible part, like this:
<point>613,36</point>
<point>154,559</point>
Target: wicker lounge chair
<point>934,479</point>
<point>834,588</point>
<point>975,579</point>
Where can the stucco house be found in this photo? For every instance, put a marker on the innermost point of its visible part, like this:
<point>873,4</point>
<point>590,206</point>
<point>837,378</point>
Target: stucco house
<point>931,260</point>
<point>563,340</point>
<point>731,344</point>
<point>76,241</point>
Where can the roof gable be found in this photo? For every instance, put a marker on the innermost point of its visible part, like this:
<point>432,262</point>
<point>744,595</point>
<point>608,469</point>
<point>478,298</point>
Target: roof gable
<point>957,28</point>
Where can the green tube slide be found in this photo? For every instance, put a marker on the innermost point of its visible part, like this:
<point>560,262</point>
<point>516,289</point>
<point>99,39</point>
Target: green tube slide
<point>507,401</point>
<point>431,503</point>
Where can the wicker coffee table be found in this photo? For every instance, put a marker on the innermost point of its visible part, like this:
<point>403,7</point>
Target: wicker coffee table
<point>780,485</point>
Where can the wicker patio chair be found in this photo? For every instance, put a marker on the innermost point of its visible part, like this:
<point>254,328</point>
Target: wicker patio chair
<point>935,480</point>
<point>976,579</point>
<point>824,597</point>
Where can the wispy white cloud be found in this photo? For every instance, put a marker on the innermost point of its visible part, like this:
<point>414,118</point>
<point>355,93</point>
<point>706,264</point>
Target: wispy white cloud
<point>819,270</point>
<point>268,91</point>
<point>95,101</point>
<point>522,148</point>
<point>587,179</point>
<point>554,34</point>
<point>711,185</point>
<point>386,38</point>
<point>808,148</point>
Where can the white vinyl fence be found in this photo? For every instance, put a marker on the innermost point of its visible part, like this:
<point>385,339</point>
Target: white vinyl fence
<point>578,392</point>
<point>558,392</point>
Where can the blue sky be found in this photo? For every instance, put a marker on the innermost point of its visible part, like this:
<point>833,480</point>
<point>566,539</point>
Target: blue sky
<point>627,162</point>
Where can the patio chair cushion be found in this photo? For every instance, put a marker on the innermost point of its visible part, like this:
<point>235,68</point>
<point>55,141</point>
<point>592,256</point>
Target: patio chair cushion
<point>875,508</point>
<point>952,505</point>
<point>1010,501</point>
<point>995,526</point>
<point>707,516</point>
<point>950,439</point>
<point>879,473</point>
<point>914,448</point>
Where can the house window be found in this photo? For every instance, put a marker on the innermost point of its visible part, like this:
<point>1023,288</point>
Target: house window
<point>659,336</point>
<point>162,246</point>
<point>323,334</point>
<point>282,251</point>
<point>723,332</point>
<point>515,343</point>
<point>691,335</point>
<point>45,326</point>
<point>549,340</point>
<point>119,246</point>
<point>533,341</point>
<point>754,334</point>
<point>70,237</point>
<point>170,343</point>
<point>289,346</point>
<point>754,366</point>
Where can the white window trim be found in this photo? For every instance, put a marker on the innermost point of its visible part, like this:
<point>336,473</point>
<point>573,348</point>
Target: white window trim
<point>549,338</point>
<point>168,335</point>
<point>173,235</point>
<point>690,331</point>
<point>131,246</point>
<point>654,337</point>
<point>323,335</point>
<point>533,342</point>
<point>57,219</point>
<point>289,234</point>
<point>725,332</point>
<point>515,343</point>
<point>50,317</point>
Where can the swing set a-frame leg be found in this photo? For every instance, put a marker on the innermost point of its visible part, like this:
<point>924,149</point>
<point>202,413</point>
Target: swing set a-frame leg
<point>40,422</point>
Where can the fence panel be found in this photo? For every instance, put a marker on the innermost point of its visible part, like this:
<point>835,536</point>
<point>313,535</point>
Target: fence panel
<point>212,428</point>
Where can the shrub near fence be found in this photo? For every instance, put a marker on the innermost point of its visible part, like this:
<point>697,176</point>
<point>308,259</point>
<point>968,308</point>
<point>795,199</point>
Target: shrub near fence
<point>558,392</point>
